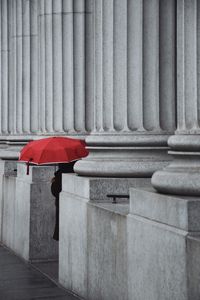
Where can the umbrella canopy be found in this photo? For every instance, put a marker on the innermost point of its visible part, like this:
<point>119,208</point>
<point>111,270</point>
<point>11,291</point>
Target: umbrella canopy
<point>53,150</point>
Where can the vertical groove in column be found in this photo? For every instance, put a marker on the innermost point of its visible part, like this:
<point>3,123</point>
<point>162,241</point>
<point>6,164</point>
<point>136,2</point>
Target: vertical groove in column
<point>48,67</point>
<point>190,44</point>
<point>89,65</point>
<point>4,66</point>
<point>57,66</point>
<point>180,65</point>
<point>26,66</point>
<point>98,69</point>
<point>198,62</point>
<point>167,64</point>
<point>135,65</point>
<point>34,66</point>
<point>10,69</point>
<point>120,65</point>
<point>14,62</point>
<point>1,75</point>
<point>79,64</point>
<point>151,65</point>
<point>68,71</point>
<point>19,66</point>
<point>42,60</point>
<point>108,60</point>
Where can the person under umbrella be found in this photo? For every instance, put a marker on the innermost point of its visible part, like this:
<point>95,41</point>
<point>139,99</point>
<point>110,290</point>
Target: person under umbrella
<point>62,151</point>
<point>56,188</point>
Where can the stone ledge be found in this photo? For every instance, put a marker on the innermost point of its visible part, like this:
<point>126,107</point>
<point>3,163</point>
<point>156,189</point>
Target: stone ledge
<point>96,189</point>
<point>178,211</point>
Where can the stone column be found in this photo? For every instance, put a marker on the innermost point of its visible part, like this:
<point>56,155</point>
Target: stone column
<point>65,92</point>
<point>34,95</point>
<point>182,176</point>
<point>4,66</point>
<point>19,67</point>
<point>57,66</point>
<point>24,67</point>
<point>134,86</point>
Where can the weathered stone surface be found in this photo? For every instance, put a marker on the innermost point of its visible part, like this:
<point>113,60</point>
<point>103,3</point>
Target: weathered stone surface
<point>157,265</point>
<point>96,189</point>
<point>163,246</point>
<point>35,214</point>
<point>134,88</point>
<point>182,176</point>
<point>92,249</point>
<point>177,211</point>
<point>7,201</point>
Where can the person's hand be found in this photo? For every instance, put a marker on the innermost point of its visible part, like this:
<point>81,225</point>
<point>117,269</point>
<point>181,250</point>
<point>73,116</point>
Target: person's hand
<point>53,180</point>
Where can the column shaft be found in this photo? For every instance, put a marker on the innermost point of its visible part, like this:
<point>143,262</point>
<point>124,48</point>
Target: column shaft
<point>13,66</point>
<point>26,66</point>
<point>79,64</point>
<point>10,68</point>
<point>57,66</point>
<point>19,60</point>
<point>34,97</point>
<point>65,97</point>
<point>182,176</point>
<point>4,66</point>
<point>68,66</point>
<point>130,136</point>
<point>42,63</point>
<point>48,18</point>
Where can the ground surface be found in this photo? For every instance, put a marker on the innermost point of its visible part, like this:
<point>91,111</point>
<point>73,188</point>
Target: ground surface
<point>20,280</point>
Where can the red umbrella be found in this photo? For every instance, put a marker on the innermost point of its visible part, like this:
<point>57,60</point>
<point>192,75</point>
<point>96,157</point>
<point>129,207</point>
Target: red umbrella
<point>53,150</point>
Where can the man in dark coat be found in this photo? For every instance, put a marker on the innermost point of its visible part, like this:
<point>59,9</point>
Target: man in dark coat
<point>56,188</point>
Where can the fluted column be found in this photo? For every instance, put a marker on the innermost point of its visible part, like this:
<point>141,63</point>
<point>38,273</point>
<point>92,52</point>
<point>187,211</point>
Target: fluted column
<point>134,85</point>
<point>66,71</point>
<point>34,95</point>
<point>4,66</point>
<point>23,64</point>
<point>182,176</point>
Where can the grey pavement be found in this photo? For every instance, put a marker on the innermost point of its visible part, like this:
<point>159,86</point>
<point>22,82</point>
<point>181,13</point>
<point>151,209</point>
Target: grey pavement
<point>20,280</point>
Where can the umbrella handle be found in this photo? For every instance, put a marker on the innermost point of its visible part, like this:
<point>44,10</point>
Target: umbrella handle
<point>28,164</point>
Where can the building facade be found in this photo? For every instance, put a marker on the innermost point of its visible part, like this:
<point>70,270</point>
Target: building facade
<point>124,76</point>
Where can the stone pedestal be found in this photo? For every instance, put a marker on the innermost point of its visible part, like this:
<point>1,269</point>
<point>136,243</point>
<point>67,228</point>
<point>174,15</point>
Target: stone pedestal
<point>163,246</point>
<point>8,173</point>
<point>35,214</point>
<point>93,239</point>
<point>182,176</point>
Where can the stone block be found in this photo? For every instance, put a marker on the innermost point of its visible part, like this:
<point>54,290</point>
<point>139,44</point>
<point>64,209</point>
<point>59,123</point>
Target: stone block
<point>7,199</point>
<point>93,239</point>
<point>73,251</point>
<point>96,189</point>
<point>35,214</point>
<point>179,211</point>
<point>92,249</point>
<point>163,246</point>
<point>157,261</point>
<point>9,210</point>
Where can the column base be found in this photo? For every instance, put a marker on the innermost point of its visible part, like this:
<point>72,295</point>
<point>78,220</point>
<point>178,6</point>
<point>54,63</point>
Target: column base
<point>182,175</point>
<point>124,156</point>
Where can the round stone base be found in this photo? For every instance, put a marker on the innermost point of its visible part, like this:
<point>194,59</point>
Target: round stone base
<point>122,161</point>
<point>181,177</point>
